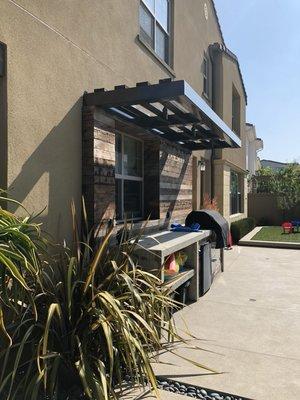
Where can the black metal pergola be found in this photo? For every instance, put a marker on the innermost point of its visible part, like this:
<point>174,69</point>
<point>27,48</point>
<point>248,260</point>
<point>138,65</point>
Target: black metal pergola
<point>170,110</point>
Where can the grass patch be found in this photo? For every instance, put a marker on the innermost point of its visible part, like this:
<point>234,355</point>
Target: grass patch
<point>275,234</point>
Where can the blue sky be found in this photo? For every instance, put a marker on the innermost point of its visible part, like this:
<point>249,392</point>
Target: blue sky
<point>265,35</point>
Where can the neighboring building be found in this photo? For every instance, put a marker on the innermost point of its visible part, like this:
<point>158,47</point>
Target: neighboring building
<point>253,145</point>
<point>274,165</point>
<point>53,52</point>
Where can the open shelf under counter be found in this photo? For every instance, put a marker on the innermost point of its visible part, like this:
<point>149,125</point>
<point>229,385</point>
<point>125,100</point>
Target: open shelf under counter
<point>178,280</point>
<point>153,250</point>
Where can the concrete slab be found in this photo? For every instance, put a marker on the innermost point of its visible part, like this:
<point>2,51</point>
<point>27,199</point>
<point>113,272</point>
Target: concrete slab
<point>250,321</point>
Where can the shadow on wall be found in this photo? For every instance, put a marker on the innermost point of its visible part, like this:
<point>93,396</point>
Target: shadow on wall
<point>58,155</point>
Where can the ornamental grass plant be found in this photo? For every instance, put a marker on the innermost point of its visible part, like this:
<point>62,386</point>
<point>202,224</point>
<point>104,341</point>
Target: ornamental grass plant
<point>72,326</point>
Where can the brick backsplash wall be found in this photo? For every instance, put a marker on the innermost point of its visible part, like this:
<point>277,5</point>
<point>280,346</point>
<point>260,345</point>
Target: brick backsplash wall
<point>167,175</point>
<point>98,170</point>
<point>175,181</point>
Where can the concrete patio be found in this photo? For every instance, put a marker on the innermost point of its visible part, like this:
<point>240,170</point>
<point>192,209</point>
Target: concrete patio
<point>250,320</point>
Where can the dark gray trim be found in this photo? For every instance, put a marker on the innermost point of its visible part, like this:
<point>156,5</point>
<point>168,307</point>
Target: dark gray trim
<point>2,60</point>
<point>3,119</point>
<point>219,47</point>
<point>180,114</point>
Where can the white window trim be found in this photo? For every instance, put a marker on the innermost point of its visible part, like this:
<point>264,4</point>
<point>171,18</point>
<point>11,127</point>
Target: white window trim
<point>124,177</point>
<point>167,32</point>
<point>240,205</point>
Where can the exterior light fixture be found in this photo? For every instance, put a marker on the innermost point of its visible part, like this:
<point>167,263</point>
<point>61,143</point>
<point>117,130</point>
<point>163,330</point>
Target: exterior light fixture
<point>202,165</point>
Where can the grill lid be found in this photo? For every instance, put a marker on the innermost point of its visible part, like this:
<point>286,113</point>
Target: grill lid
<point>213,220</point>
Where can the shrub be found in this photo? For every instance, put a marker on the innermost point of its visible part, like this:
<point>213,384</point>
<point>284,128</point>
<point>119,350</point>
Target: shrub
<point>21,244</point>
<point>241,228</point>
<point>92,316</point>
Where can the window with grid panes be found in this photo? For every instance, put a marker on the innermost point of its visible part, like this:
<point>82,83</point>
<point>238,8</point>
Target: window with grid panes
<point>155,26</point>
<point>129,177</point>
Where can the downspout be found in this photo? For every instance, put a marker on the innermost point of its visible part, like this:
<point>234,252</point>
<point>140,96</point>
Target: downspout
<point>214,73</point>
<point>212,173</point>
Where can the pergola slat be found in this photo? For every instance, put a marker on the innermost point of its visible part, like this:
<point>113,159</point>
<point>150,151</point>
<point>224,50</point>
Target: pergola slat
<point>180,114</point>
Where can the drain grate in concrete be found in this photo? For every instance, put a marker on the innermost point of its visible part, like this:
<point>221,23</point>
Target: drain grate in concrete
<point>196,392</point>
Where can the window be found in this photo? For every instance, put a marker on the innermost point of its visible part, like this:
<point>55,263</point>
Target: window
<point>236,111</point>
<point>205,71</point>
<point>155,26</point>
<point>235,193</point>
<point>129,177</point>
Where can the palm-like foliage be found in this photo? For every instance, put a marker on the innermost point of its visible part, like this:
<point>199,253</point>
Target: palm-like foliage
<point>88,317</point>
<point>21,243</point>
<point>91,316</point>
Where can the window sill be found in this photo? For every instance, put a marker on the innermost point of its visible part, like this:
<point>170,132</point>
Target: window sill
<point>239,214</point>
<point>157,58</point>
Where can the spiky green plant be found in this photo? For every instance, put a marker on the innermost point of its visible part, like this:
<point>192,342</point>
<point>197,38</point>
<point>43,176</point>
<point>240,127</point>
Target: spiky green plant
<point>21,244</point>
<point>98,317</point>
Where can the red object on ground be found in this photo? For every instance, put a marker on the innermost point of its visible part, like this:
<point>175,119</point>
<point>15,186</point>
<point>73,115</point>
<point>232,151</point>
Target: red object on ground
<point>287,227</point>
<point>229,240</point>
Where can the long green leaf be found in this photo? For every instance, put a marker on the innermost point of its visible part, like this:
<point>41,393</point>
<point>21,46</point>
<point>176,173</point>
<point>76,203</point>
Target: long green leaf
<point>54,308</point>
<point>5,338</point>
<point>7,263</point>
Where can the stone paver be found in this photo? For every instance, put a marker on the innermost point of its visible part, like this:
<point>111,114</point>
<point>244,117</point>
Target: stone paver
<point>250,321</point>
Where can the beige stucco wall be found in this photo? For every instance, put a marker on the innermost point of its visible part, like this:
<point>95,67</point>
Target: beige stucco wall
<point>222,189</point>
<point>227,75</point>
<point>58,49</point>
<point>193,34</point>
<point>231,77</point>
<point>219,181</point>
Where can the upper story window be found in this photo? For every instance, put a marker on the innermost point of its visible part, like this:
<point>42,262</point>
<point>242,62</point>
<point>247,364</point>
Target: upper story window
<point>155,26</point>
<point>129,177</point>
<point>236,111</point>
<point>206,76</point>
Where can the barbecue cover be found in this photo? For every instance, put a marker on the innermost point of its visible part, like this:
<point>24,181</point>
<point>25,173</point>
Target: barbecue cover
<point>211,219</point>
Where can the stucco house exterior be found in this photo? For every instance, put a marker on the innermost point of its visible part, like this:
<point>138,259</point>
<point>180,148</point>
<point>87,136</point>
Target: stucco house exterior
<point>274,165</point>
<point>65,70</point>
<point>253,145</point>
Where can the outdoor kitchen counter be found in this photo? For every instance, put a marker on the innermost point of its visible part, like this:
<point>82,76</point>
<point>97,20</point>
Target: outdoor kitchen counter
<point>152,251</point>
<point>167,242</point>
